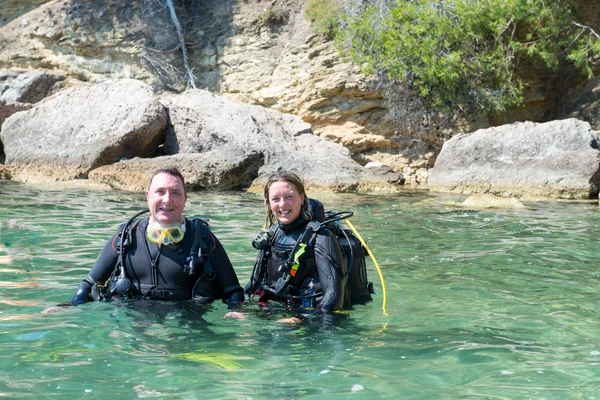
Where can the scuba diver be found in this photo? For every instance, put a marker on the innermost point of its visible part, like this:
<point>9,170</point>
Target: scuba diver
<point>300,260</point>
<point>165,256</point>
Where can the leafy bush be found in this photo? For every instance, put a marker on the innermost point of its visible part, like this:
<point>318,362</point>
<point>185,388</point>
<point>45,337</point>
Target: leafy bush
<point>465,53</point>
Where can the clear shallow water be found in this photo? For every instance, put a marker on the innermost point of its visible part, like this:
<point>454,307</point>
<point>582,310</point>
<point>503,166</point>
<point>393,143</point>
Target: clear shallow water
<point>481,304</point>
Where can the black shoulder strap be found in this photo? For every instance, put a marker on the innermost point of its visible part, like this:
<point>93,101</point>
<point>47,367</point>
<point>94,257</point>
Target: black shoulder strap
<point>311,228</point>
<point>121,282</point>
<point>199,252</point>
<point>125,233</point>
<point>328,221</point>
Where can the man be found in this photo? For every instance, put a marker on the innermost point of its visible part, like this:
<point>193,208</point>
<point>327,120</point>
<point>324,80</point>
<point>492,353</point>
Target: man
<point>163,257</point>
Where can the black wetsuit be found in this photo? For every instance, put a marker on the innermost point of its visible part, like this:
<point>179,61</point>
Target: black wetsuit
<point>160,273</point>
<point>319,282</point>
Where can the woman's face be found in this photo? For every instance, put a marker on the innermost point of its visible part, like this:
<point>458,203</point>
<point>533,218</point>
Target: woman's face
<point>285,201</point>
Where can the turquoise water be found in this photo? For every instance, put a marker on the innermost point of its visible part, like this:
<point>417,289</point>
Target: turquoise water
<point>481,304</point>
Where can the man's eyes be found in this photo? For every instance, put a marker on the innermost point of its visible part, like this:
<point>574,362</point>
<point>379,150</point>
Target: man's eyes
<point>163,192</point>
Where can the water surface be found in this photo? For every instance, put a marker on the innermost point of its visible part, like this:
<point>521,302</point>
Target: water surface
<point>481,304</point>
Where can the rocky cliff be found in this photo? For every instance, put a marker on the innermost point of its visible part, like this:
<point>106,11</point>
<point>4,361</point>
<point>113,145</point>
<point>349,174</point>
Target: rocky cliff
<point>262,53</point>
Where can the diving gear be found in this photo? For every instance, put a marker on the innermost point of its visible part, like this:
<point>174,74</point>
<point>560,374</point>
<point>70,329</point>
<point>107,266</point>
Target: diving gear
<point>366,248</point>
<point>130,261</point>
<point>199,253</point>
<point>355,252</point>
<point>290,268</point>
<point>121,284</point>
<point>261,241</point>
<point>296,255</point>
<point>159,234</point>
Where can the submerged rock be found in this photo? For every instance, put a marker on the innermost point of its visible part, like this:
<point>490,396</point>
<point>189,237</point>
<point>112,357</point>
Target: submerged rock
<point>491,201</point>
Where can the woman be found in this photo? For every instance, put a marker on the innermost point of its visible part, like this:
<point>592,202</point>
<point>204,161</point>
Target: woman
<point>300,261</point>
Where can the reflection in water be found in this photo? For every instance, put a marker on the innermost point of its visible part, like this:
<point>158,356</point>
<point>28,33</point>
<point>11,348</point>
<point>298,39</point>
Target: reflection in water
<point>496,303</point>
<point>14,285</point>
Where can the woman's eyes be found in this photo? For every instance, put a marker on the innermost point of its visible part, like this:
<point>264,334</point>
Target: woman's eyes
<point>286,198</point>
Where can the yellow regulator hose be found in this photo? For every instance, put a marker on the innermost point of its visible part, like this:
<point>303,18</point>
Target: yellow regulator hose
<point>374,262</point>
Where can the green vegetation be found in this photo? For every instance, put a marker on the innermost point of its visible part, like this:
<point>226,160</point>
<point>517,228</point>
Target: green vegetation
<point>272,17</point>
<point>323,15</point>
<point>461,53</point>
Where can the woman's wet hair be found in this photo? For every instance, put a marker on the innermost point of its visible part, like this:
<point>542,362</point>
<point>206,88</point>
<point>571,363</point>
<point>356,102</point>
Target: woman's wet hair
<point>293,179</point>
<point>169,170</point>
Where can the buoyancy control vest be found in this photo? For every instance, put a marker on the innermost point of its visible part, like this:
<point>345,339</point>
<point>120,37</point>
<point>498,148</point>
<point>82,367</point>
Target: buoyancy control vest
<point>355,255</point>
<point>197,264</point>
<point>295,255</point>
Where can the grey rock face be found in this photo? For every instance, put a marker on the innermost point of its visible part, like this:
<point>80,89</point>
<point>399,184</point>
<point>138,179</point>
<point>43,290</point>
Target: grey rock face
<point>555,159</point>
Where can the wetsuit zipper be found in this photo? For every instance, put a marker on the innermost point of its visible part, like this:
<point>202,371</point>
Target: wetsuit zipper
<point>153,262</point>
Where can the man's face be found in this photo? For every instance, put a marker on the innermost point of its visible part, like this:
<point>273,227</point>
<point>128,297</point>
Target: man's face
<point>166,199</point>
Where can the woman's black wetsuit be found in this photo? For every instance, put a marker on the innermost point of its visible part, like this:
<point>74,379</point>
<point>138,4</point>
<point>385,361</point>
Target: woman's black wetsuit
<point>161,273</point>
<point>319,282</point>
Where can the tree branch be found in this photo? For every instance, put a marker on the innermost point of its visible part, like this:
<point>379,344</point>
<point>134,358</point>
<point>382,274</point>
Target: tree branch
<point>175,21</point>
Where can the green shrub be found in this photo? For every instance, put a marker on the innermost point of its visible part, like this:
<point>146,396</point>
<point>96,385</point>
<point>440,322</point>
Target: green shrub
<point>465,53</point>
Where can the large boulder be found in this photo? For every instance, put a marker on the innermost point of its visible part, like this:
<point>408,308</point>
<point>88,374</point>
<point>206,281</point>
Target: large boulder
<point>109,132</point>
<point>202,122</point>
<point>557,159</point>
<point>66,135</point>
